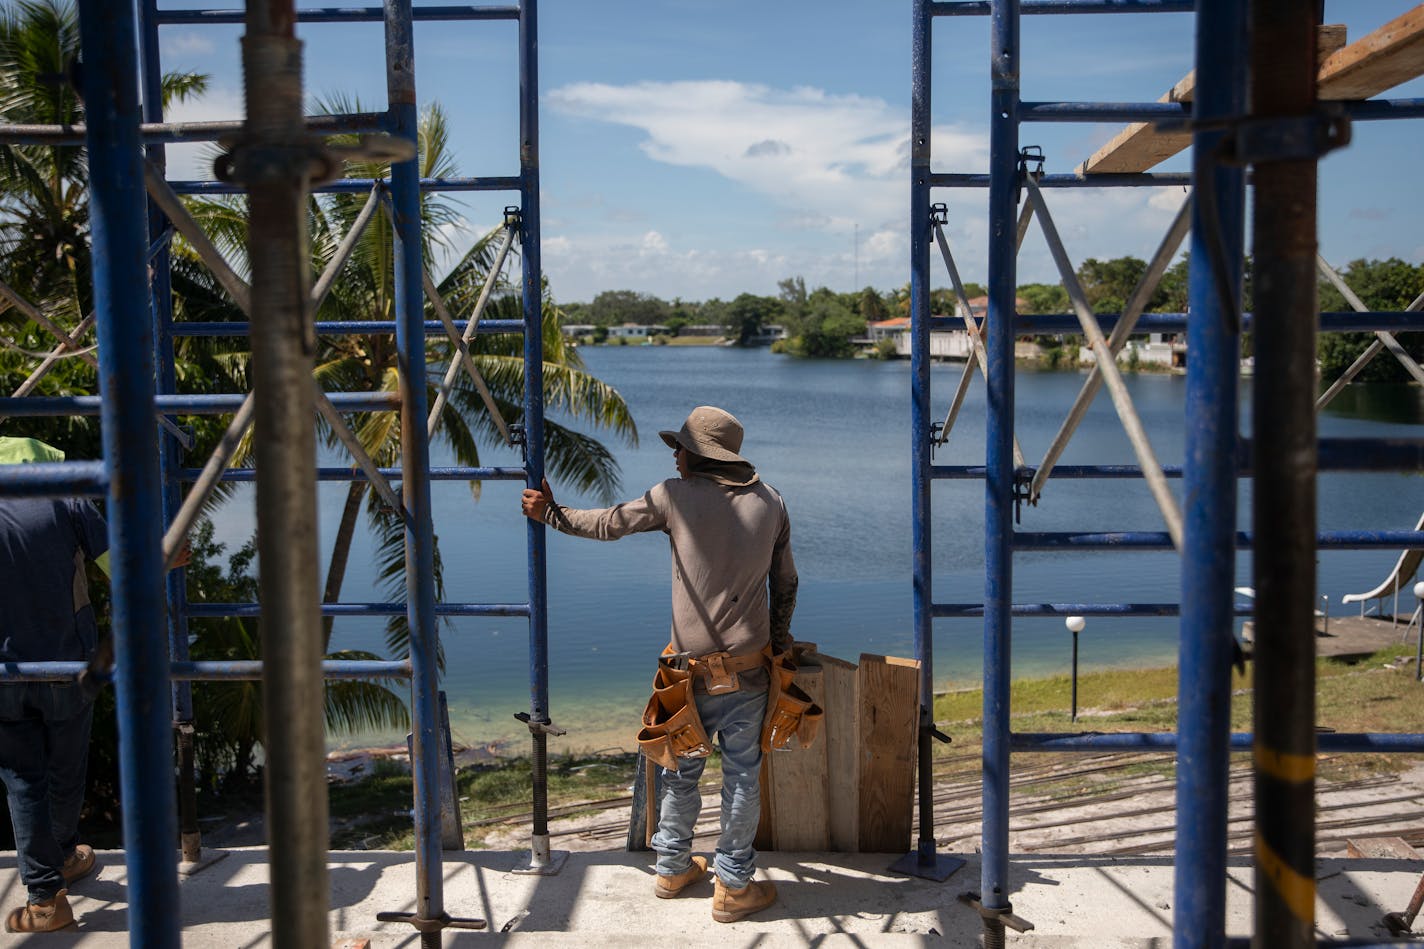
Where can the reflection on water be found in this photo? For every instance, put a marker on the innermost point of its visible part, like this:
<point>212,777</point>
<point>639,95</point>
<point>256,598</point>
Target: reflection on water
<point>833,437</point>
<point>1380,402</point>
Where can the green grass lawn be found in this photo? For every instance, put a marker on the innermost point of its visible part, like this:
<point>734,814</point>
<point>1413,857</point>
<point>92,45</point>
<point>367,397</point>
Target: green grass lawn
<point>1365,696</point>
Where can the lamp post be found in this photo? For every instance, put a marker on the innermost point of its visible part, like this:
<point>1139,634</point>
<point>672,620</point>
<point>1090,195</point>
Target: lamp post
<point>1075,626</point>
<point>1419,646</point>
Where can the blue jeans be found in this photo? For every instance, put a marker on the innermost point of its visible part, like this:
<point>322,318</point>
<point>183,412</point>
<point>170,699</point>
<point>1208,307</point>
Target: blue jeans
<point>44,753</point>
<point>735,718</point>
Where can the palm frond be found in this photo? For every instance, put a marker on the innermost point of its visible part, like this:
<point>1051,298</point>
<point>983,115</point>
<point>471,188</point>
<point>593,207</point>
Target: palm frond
<point>354,706</point>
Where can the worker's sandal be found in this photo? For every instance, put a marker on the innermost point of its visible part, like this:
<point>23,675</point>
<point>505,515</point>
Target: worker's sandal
<point>730,905</point>
<point>669,886</point>
<point>46,916</point>
<point>79,864</point>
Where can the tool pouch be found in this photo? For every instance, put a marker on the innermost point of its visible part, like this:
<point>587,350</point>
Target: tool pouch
<point>790,712</point>
<point>672,729</point>
<point>720,679</point>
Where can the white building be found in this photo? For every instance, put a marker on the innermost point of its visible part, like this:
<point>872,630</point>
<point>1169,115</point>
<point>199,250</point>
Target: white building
<point>634,332</point>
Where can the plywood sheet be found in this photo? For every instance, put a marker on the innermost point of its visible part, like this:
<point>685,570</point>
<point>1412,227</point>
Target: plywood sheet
<point>842,740</point>
<point>801,817</point>
<point>889,715</point>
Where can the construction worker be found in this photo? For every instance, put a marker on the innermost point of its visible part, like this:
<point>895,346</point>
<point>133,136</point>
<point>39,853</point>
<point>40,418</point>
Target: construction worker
<point>733,593</point>
<point>44,726</point>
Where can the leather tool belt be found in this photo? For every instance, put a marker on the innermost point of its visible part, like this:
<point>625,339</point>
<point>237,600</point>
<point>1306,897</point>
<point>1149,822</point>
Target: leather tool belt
<point>790,712</point>
<point>720,669</point>
<point>672,729</point>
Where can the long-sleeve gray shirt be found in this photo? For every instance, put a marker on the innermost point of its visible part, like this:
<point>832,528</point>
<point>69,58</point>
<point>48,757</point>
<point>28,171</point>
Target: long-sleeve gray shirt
<point>733,576</point>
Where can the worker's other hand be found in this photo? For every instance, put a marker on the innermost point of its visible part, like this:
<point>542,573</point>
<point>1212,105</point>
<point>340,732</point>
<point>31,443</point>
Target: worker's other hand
<point>536,503</point>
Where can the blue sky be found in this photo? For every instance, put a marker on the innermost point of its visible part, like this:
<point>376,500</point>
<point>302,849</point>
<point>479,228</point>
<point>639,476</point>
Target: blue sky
<point>696,149</point>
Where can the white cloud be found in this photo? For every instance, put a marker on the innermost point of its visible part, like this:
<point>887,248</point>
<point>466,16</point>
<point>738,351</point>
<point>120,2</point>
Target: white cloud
<point>580,265</point>
<point>218,104</point>
<point>183,43</point>
<point>807,149</point>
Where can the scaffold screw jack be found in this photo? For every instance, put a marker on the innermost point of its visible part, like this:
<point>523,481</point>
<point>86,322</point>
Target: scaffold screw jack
<point>432,924</point>
<point>1004,914</point>
<point>539,728</point>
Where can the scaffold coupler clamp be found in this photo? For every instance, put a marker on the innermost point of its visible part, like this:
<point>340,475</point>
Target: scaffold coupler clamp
<point>513,216</point>
<point>935,440</point>
<point>518,437</point>
<point>1250,141</point>
<point>1028,155</point>
<point>939,213</point>
<point>432,924</point>
<point>1004,916</point>
<point>537,727</point>
<point>1023,491</point>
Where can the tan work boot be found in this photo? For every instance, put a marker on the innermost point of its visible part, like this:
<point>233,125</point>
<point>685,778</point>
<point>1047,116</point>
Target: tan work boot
<point>46,916</point>
<point>669,886</point>
<point>79,864</point>
<point>730,905</point>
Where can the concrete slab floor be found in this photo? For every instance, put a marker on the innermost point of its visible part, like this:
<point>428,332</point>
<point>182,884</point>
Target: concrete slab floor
<point>824,899</point>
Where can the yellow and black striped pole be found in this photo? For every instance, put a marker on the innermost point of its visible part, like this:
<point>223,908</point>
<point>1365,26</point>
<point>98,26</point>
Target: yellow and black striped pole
<point>1283,71</point>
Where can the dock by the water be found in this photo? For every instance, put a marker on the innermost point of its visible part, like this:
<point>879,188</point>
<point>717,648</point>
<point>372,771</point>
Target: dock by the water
<point>1344,637</point>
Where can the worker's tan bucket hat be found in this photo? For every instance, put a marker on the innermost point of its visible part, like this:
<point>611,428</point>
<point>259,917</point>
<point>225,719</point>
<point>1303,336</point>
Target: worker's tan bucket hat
<point>710,432</point>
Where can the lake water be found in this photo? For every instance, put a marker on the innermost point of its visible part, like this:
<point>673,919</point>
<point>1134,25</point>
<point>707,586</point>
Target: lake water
<point>832,436</point>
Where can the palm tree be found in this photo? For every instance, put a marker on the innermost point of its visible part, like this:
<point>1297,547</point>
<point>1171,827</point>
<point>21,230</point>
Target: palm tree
<point>367,363</point>
<point>44,205</point>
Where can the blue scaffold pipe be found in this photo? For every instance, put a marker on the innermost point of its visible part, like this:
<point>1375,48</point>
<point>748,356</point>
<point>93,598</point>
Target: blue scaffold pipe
<point>1239,942</point>
<point>41,671</point>
<point>243,475</point>
<point>1330,322</point>
<point>1371,110</point>
<point>160,244</point>
<point>532,279</point>
<point>1205,648</point>
<point>1104,111</point>
<point>921,518</point>
<point>345,328</point>
<point>169,450</point>
<point>948,610</point>
<point>212,610</point>
<point>415,460</point>
<point>220,404</point>
<point>1336,454</point>
<point>1158,179</point>
<point>1159,540</point>
<point>208,670</point>
<point>54,479</point>
<point>359,185</point>
<point>350,14</point>
<point>999,454</point>
<point>1327,742</point>
<point>251,670</point>
<point>155,131</point>
<point>109,88</point>
<point>1041,7</point>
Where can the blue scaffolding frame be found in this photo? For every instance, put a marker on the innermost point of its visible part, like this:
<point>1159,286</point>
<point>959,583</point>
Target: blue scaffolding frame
<point>142,472</point>
<point>1215,455</point>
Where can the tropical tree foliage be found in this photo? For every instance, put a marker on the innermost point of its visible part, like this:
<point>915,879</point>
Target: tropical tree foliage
<point>360,362</point>
<point>44,211</point>
<point>1381,285</point>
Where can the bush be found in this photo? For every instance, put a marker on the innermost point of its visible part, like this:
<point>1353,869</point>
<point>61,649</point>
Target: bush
<point>883,349</point>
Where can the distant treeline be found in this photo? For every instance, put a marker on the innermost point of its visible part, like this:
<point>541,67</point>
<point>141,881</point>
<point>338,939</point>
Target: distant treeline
<point>823,322</point>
